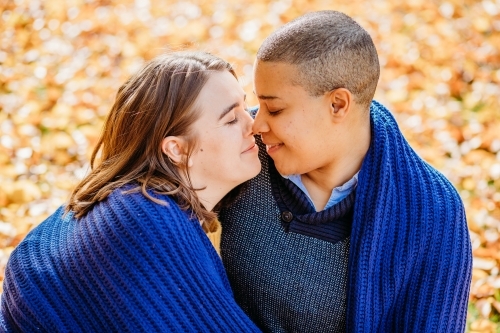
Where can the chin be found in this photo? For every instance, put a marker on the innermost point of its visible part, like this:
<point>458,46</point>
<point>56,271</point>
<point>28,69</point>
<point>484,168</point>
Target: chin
<point>283,170</point>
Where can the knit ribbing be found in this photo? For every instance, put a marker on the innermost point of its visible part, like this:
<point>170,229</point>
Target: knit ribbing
<point>410,260</point>
<point>129,265</point>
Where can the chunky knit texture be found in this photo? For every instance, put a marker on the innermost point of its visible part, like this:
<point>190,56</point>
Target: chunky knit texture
<point>129,265</point>
<point>410,261</point>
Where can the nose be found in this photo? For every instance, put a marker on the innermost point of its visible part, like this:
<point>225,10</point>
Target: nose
<point>260,124</point>
<point>248,122</point>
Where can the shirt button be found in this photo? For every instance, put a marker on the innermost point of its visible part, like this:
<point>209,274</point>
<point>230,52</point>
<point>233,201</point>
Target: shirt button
<point>286,216</point>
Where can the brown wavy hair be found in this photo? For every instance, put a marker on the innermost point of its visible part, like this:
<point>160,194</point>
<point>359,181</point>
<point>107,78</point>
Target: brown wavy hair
<point>157,102</point>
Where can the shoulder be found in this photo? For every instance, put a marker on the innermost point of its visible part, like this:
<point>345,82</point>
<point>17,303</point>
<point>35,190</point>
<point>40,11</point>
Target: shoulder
<point>128,203</point>
<point>124,229</point>
<point>126,240</point>
<point>131,195</point>
<point>444,200</point>
<point>397,159</point>
<point>43,232</point>
<point>433,187</point>
<point>115,224</point>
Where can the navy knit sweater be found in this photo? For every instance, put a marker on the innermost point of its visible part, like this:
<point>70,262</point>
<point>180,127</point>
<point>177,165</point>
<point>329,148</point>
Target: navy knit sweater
<point>129,265</point>
<point>290,253</point>
<point>406,266</point>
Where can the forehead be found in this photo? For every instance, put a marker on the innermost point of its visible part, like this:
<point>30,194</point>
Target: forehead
<point>273,78</point>
<point>275,71</point>
<point>220,91</point>
<point>223,81</point>
<point>220,87</point>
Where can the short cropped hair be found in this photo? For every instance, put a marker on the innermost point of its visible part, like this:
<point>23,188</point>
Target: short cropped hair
<point>331,51</point>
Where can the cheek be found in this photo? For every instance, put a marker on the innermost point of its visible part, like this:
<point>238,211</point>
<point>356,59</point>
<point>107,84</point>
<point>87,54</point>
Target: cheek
<point>220,148</point>
<point>292,132</point>
<point>210,151</point>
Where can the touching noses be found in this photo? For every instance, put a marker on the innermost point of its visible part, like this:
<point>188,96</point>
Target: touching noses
<point>248,122</point>
<point>260,124</point>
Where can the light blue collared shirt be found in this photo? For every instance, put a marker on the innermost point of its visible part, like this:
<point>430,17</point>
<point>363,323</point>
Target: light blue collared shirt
<point>337,195</point>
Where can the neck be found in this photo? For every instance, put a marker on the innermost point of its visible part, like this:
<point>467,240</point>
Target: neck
<point>211,195</point>
<point>211,192</point>
<point>321,182</point>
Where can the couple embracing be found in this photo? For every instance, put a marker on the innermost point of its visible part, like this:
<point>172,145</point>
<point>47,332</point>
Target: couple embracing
<point>309,214</point>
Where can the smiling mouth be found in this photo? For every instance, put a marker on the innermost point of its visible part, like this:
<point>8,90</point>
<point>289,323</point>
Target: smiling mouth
<point>273,147</point>
<point>249,148</point>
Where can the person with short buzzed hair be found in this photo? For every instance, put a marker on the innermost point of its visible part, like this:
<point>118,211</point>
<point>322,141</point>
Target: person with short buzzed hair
<point>346,228</point>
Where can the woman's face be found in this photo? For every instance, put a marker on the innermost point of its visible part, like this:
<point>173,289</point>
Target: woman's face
<point>226,154</point>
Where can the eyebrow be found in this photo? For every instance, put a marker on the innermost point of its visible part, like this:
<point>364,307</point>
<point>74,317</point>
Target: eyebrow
<point>228,109</point>
<point>267,97</point>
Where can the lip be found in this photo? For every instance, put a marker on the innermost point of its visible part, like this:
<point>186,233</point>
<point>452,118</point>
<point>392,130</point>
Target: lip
<point>251,148</point>
<point>273,147</point>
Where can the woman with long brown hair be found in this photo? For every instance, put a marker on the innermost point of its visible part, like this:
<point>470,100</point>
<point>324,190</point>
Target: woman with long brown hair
<point>130,252</point>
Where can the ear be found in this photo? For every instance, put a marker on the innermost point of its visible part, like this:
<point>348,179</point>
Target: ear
<point>174,147</point>
<point>341,103</point>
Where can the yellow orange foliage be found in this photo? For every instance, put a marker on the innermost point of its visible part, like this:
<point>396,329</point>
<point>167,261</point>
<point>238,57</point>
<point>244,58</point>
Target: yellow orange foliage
<point>61,63</point>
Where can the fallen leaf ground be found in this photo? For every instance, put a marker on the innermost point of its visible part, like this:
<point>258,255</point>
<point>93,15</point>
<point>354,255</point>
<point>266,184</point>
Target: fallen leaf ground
<point>61,63</point>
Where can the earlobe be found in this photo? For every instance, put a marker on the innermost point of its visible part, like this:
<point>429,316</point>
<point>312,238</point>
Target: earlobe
<point>172,146</point>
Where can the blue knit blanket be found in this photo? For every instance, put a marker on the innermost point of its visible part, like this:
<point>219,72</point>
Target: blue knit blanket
<point>129,265</point>
<point>410,258</point>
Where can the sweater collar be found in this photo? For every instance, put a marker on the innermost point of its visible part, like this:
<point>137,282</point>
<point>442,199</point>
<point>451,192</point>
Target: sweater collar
<point>291,198</point>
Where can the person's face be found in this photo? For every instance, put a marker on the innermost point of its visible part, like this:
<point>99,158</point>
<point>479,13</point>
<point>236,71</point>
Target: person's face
<point>226,153</point>
<point>294,125</point>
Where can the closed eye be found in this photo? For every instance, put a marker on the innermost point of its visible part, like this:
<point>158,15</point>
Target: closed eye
<point>274,113</point>
<point>234,121</point>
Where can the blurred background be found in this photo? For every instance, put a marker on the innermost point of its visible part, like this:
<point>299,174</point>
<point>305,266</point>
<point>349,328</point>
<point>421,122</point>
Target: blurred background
<point>62,62</point>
